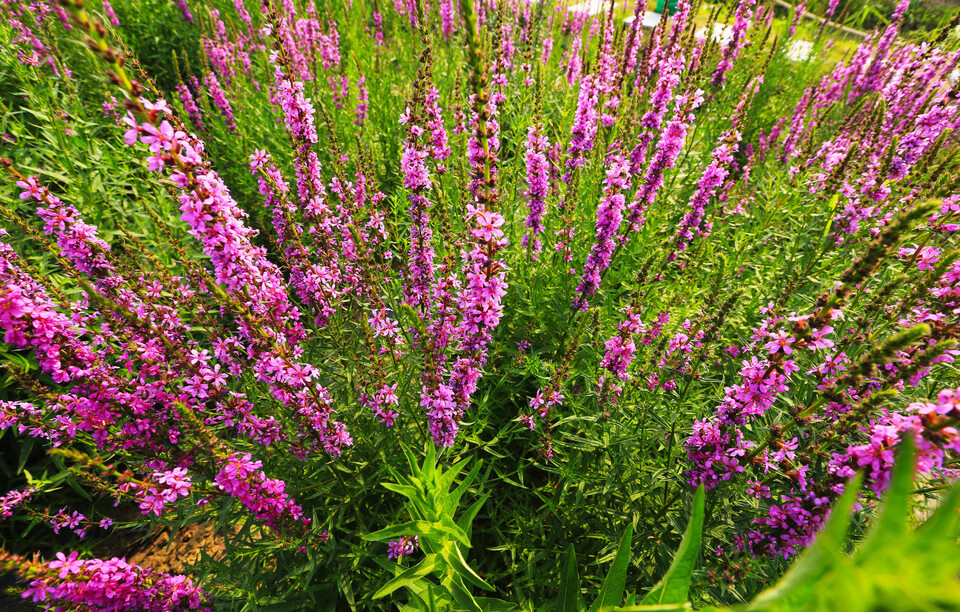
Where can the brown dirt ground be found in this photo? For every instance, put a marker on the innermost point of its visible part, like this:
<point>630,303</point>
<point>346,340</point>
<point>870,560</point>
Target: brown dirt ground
<point>163,554</point>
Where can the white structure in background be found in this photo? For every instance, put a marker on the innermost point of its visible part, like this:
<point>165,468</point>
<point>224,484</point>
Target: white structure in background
<point>954,76</point>
<point>650,20</point>
<point>596,7</point>
<point>722,33</point>
<point>590,7</point>
<point>799,50</point>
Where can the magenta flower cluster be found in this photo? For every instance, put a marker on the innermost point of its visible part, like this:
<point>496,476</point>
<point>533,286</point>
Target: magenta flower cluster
<point>111,584</point>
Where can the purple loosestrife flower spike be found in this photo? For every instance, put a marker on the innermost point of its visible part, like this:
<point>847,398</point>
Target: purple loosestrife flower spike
<point>609,218</point>
<point>190,105</point>
<point>416,178</point>
<point>713,176</point>
<point>574,61</point>
<point>220,100</point>
<point>660,97</point>
<point>111,15</point>
<point>672,140</point>
<point>362,101</point>
<point>738,35</point>
<point>538,183</point>
<point>185,10</point>
<point>585,125</point>
<point>798,12</point>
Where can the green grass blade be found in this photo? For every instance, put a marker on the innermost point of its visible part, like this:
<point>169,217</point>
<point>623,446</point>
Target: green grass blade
<point>675,584</point>
<point>611,593</point>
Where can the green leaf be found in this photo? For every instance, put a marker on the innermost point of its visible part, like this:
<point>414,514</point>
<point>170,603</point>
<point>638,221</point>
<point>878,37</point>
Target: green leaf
<point>421,597</point>
<point>408,576</point>
<point>429,468</point>
<point>568,601</point>
<point>492,604</point>
<point>891,521</point>
<point>454,557</point>
<point>462,595</point>
<point>407,491</point>
<point>466,521</point>
<point>822,557</point>
<point>453,499</point>
<point>675,584</point>
<point>451,473</point>
<point>25,449</point>
<point>431,599</point>
<point>412,462</point>
<point>448,527</point>
<point>655,608</point>
<point>418,528</point>
<point>611,592</point>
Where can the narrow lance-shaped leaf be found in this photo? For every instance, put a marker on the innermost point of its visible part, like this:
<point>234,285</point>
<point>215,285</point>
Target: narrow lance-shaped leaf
<point>611,592</point>
<point>417,528</point>
<point>675,584</point>
<point>408,576</point>
<point>892,518</point>
<point>822,556</point>
<point>465,522</point>
<point>568,601</point>
<point>454,557</point>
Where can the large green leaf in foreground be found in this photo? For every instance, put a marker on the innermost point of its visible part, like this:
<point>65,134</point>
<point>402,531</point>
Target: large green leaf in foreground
<point>894,568</point>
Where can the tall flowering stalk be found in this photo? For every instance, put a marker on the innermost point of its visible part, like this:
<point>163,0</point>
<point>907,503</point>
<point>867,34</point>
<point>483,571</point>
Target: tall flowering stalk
<point>448,16</point>
<point>416,178</point>
<point>219,98</point>
<point>363,98</point>
<point>111,14</point>
<point>586,122</point>
<point>270,322</point>
<point>574,61</point>
<point>185,10</point>
<point>426,139</point>
<point>719,448</point>
<point>672,140</point>
<point>609,218</point>
<point>480,299</point>
<point>538,184</point>
<point>190,105</point>
<point>738,39</point>
<point>713,176</point>
<point>669,77</point>
<point>26,19</point>
<point>219,375</point>
<point>798,12</point>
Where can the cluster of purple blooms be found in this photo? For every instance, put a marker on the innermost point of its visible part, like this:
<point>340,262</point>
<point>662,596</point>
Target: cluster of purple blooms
<point>241,478</point>
<point>226,54</point>
<point>720,450</point>
<point>219,98</point>
<point>172,485</point>
<point>111,584</point>
<point>405,546</point>
<point>932,426</point>
<point>622,347</point>
<point>26,19</point>
<point>190,103</point>
<point>538,184</point>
